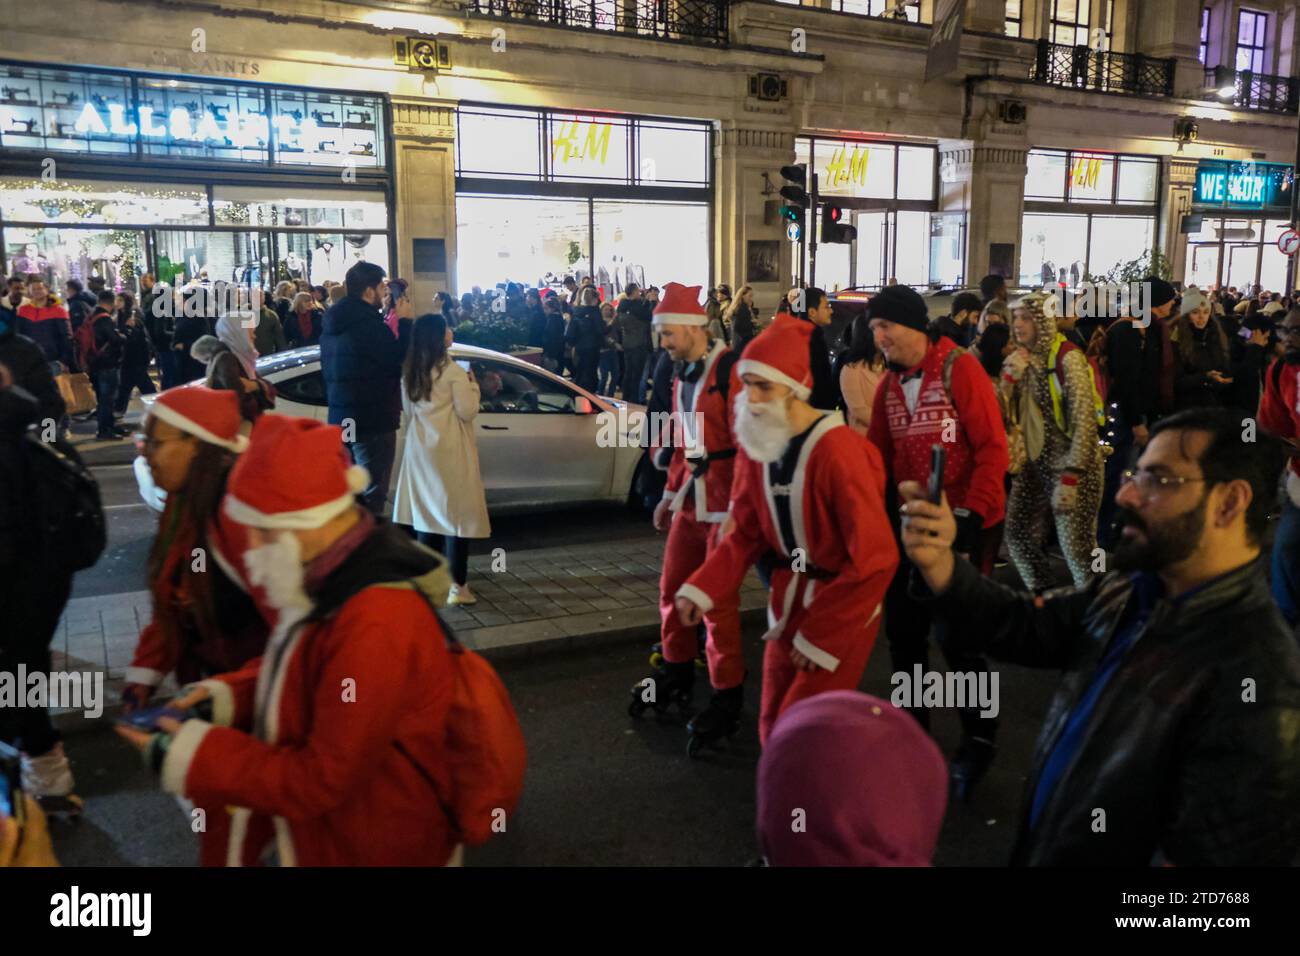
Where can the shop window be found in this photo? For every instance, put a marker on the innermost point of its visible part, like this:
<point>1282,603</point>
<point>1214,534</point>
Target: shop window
<point>1054,248</point>
<point>240,258</point>
<point>58,254</point>
<point>1202,268</point>
<point>1138,179</point>
<point>320,256</point>
<point>912,248</point>
<point>916,172</point>
<point>517,239</point>
<point>202,120</point>
<point>1092,178</point>
<point>588,148</point>
<point>1117,240</point>
<point>1240,264</point>
<point>650,244</point>
<point>855,169</point>
<point>498,143</point>
<point>1252,32</point>
<point>64,111</point>
<point>101,202</point>
<point>299,207</point>
<point>327,129</point>
<point>947,252</point>
<point>1045,175</point>
<point>672,155</point>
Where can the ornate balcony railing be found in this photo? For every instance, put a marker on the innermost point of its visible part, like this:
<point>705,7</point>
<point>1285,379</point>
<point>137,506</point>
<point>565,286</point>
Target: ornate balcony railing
<point>1079,67</point>
<point>1254,91</point>
<point>697,21</point>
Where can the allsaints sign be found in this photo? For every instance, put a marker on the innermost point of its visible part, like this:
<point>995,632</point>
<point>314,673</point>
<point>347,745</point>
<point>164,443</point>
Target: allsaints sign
<point>239,129</point>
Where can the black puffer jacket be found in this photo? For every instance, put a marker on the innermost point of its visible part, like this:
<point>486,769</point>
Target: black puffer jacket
<point>362,366</point>
<point>26,363</point>
<point>1193,747</point>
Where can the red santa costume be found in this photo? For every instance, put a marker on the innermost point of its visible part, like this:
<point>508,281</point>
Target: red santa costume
<point>179,638</point>
<point>328,750</point>
<point>827,521</point>
<point>698,488</point>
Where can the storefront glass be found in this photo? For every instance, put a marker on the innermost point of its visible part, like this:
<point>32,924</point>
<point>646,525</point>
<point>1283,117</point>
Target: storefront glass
<point>87,201</point>
<point>58,254</point>
<point>1240,251</point>
<point>604,190</point>
<point>1055,248</point>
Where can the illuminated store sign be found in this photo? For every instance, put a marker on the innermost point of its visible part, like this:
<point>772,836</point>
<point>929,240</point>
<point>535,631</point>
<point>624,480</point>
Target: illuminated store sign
<point>85,111</point>
<point>1240,185</point>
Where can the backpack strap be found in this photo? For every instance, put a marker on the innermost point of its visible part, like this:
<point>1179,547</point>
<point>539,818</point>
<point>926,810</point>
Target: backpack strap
<point>724,365</point>
<point>949,361</point>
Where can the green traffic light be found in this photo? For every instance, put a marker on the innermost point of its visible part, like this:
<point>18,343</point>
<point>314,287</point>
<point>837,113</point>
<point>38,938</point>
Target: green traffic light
<point>790,213</point>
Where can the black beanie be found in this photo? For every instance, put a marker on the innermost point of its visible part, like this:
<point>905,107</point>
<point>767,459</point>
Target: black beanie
<point>1161,291</point>
<point>900,304</point>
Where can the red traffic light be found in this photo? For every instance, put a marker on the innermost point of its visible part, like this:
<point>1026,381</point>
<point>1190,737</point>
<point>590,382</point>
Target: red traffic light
<point>834,213</point>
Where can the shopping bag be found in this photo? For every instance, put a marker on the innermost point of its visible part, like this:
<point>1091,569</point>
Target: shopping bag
<point>78,394</point>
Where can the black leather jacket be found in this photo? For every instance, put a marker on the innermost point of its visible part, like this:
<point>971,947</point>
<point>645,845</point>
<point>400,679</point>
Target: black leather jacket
<point>1192,749</point>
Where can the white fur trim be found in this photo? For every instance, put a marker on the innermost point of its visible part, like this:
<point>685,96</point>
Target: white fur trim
<point>763,370</point>
<point>358,479</point>
<point>223,701</point>
<point>173,417</point>
<point>180,754</point>
<point>694,594</point>
<point>679,318</point>
<point>304,520</point>
<point>815,654</point>
<point>143,675</point>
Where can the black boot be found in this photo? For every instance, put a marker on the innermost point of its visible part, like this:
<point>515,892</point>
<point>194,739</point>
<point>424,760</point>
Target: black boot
<point>720,719</point>
<point>969,765</point>
<point>670,685</point>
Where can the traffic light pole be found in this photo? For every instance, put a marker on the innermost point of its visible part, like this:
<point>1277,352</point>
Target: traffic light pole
<point>812,234</point>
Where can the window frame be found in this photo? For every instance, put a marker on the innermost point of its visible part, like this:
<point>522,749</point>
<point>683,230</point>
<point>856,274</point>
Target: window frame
<point>1082,8</point>
<point>1259,48</point>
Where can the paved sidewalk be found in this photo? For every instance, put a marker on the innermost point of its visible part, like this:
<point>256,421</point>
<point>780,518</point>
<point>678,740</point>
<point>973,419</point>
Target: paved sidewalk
<point>543,600</point>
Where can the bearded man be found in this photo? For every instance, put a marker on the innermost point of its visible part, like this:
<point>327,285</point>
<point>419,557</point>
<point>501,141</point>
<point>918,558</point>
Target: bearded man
<point>1175,735</point>
<point>812,490</point>
<point>329,749</point>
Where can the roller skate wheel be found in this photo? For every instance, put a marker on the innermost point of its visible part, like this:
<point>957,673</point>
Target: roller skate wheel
<point>656,659</point>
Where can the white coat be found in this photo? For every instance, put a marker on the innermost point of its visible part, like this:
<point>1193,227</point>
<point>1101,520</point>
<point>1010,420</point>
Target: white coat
<point>439,488</point>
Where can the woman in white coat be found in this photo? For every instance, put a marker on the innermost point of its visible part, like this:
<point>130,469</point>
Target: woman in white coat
<point>439,488</point>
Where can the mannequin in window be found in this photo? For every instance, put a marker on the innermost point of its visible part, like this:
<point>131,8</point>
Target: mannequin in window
<point>294,265</point>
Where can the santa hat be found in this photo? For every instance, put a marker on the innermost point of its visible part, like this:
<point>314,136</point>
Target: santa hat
<point>209,414</point>
<point>781,353</point>
<point>680,305</point>
<point>296,476</point>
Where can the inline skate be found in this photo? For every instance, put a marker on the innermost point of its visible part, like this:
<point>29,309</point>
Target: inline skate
<point>670,685</point>
<point>720,719</point>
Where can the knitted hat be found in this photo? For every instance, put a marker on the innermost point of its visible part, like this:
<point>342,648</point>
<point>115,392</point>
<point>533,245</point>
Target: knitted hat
<point>1161,291</point>
<point>901,305</point>
<point>209,414</point>
<point>871,785</point>
<point>296,475</point>
<point>680,305</point>
<point>1192,300</point>
<point>782,353</point>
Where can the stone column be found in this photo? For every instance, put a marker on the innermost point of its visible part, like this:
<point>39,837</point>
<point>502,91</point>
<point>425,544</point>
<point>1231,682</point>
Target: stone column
<point>743,155</point>
<point>1168,28</point>
<point>424,138</point>
<point>987,181</point>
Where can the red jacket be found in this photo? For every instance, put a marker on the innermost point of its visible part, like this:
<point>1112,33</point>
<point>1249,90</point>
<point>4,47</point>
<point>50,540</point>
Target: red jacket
<point>51,329</point>
<point>711,491</point>
<point>348,738</point>
<point>977,461</point>
<point>842,528</point>
<point>1279,405</point>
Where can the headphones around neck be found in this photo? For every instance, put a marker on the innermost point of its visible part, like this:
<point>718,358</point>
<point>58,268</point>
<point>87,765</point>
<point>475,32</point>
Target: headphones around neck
<point>690,372</point>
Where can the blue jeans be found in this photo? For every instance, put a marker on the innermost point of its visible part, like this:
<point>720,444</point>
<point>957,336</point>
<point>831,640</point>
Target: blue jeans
<point>375,454</point>
<point>167,368</point>
<point>1286,563</point>
<point>106,385</point>
<point>608,373</point>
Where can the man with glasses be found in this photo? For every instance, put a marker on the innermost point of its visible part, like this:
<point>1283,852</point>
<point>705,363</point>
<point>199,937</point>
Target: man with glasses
<point>1279,412</point>
<point>1175,736</point>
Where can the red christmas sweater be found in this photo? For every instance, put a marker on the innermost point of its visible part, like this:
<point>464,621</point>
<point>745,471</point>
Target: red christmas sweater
<point>968,424</point>
<point>1279,406</point>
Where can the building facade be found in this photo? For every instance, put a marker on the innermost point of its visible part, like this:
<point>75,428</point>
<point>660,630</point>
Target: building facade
<point>468,142</point>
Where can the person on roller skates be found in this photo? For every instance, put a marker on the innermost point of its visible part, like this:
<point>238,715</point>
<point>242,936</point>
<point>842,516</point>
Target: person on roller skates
<point>811,489</point>
<point>699,457</point>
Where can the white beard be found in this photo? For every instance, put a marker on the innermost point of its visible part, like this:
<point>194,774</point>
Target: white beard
<point>277,569</point>
<point>762,428</point>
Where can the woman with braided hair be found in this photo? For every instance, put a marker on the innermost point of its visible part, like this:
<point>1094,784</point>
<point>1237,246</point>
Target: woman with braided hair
<point>1061,479</point>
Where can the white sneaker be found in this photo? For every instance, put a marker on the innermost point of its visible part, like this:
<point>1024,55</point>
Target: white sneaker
<point>460,594</point>
<point>48,778</point>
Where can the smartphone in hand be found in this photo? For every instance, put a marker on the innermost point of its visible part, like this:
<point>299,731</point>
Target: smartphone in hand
<point>11,784</point>
<point>934,489</point>
<point>147,719</point>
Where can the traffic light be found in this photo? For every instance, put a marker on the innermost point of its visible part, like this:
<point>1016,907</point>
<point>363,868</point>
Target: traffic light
<point>833,228</point>
<point>795,193</point>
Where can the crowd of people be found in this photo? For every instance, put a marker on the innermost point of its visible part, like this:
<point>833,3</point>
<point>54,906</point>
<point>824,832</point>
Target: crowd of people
<point>1150,451</point>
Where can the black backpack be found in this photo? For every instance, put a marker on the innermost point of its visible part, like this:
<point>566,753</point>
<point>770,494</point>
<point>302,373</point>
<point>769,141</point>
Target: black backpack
<point>68,513</point>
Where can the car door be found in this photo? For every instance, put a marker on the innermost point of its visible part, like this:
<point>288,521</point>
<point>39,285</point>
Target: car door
<point>300,391</point>
<point>537,437</point>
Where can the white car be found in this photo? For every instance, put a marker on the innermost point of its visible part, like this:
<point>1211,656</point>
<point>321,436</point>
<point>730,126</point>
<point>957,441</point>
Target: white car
<point>543,442</point>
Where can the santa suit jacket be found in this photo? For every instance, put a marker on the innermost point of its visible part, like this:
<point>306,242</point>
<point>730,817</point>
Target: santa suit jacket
<point>848,550</point>
<point>711,491</point>
<point>329,748</point>
<point>1279,412</point>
